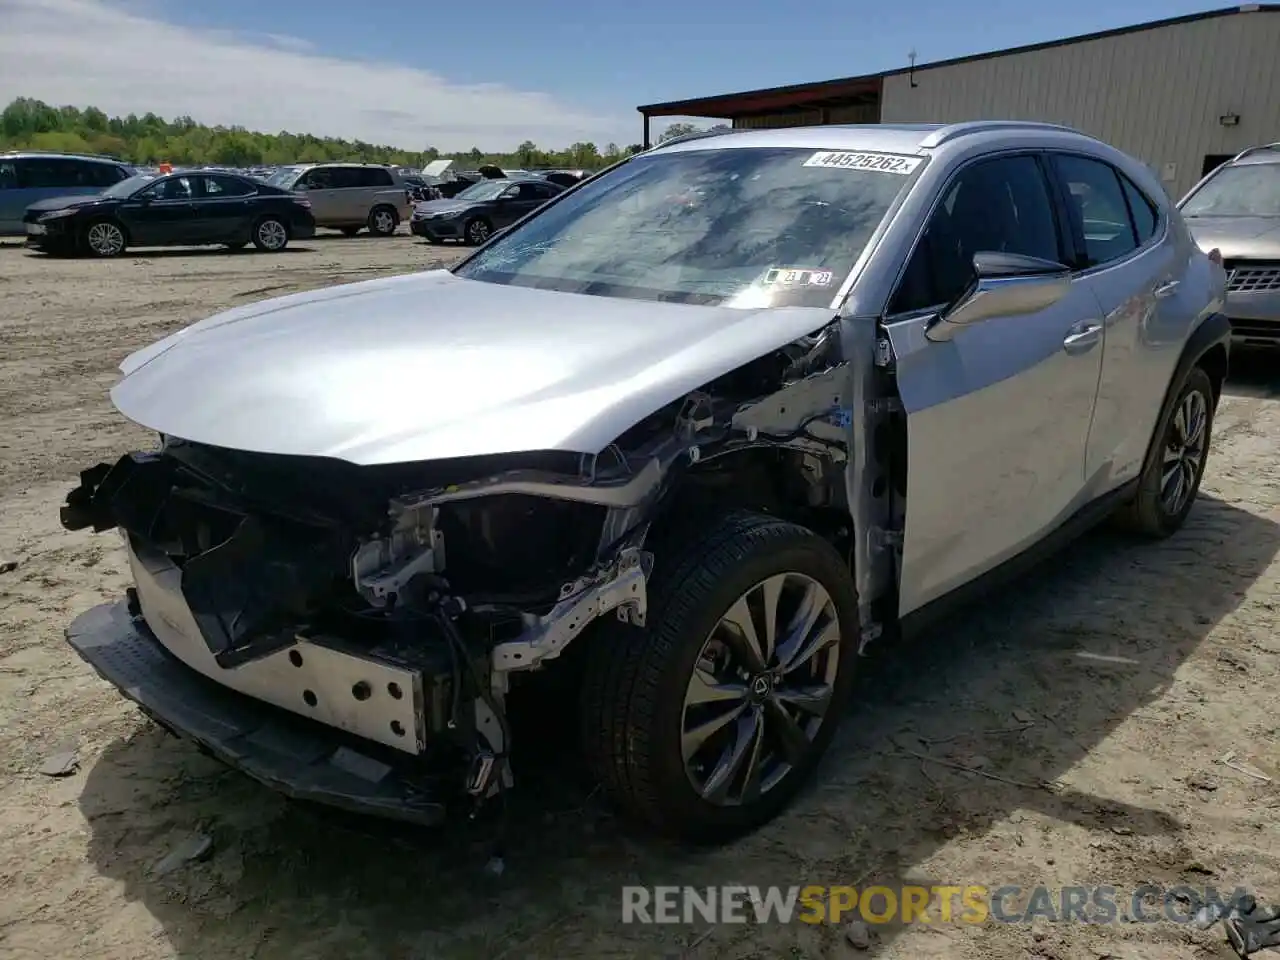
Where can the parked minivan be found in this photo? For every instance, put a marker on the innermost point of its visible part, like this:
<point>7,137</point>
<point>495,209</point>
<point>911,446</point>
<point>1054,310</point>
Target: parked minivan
<point>27,177</point>
<point>349,196</point>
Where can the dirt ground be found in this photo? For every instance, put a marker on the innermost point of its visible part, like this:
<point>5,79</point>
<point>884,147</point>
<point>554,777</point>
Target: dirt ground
<point>1119,674</point>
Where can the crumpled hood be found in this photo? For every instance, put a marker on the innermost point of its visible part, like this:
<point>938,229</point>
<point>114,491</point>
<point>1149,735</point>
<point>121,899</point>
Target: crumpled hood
<point>1255,238</point>
<point>432,366</point>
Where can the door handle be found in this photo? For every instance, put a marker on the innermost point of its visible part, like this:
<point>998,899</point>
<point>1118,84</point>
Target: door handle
<point>1166,289</point>
<point>1082,338</point>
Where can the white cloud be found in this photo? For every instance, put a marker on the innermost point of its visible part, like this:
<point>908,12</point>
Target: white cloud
<point>87,52</point>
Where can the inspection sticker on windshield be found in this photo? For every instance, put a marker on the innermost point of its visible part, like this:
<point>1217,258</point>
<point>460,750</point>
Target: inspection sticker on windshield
<point>878,162</point>
<point>798,277</point>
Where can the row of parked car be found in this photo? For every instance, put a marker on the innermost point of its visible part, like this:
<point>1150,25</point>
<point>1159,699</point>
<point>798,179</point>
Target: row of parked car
<point>100,206</point>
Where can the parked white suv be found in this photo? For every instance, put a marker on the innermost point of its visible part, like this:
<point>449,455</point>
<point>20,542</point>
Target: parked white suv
<point>350,196</point>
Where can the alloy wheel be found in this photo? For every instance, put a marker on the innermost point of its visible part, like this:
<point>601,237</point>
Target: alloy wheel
<point>383,222</point>
<point>272,234</point>
<point>760,689</point>
<point>1183,453</point>
<point>105,239</point>
<point>478,232</point>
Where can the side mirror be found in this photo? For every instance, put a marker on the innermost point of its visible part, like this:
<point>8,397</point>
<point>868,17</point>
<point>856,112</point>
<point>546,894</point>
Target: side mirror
<point>302,186</point>
<point>1004,285</point>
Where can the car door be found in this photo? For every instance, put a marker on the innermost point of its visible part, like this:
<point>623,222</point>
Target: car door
<point>318,185</point>
<point>163,214</point>
<point>352,195</point>
<point>224,208</point>
<point>998,414</point>
<point>1128,257</point>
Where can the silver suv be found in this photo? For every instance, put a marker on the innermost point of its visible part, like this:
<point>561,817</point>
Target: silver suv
<point>1236,209</point>
<point>714,420</point>
<point>28,177</point>
<point>350,196</point>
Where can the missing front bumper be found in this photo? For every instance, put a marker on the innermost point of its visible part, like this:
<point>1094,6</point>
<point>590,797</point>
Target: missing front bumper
<point>297,757</point>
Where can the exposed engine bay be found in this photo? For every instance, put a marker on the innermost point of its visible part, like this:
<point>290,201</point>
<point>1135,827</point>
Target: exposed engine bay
<point>399,602</point>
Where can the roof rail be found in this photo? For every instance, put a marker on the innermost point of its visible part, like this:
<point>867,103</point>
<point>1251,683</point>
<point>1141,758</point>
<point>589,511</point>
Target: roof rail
<point>1248,151</point>
<point>15,152</point>
<point>953,131</point>
<point>699,135</point>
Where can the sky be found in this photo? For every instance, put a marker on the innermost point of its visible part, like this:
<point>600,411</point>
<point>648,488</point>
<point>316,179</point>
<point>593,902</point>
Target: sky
<point>488,73</point>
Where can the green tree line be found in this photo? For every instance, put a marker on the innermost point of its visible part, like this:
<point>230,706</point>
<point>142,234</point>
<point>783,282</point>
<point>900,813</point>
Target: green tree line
<point>148,139</point>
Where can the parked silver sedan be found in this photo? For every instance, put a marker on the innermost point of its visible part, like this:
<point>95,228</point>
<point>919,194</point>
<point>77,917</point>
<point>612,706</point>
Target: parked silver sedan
<point>708,424</point>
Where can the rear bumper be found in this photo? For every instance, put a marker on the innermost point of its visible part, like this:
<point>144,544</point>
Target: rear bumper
<point>298,757</point>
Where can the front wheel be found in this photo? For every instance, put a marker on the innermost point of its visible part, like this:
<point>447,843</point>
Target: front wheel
<point>705,723</point>
<point>1170,480</point>
<point>478,231</point>
<point>270,235</point>
<point>105,238</point>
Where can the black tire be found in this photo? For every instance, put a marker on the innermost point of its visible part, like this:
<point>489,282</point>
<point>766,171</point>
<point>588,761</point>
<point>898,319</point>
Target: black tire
<point>634,687</point>
<point>351,231</point>
<point>271,234</point>
<point>114,239</point>
<point>383,221</point>
<point>1150,513</point>
<point>477,231</point>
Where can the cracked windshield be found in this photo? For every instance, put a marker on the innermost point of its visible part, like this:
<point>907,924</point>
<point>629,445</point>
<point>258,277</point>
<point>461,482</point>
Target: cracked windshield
<point>745,227</point>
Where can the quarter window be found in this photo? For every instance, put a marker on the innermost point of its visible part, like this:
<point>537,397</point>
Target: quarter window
<point>1000,205</point>
<point>102,174</point>
<point>8,176</point>
<point>1143,211</point>
<point>1098,210</point>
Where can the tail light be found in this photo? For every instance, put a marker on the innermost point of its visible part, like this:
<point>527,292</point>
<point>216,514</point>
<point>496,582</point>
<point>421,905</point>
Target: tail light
<point>1216,256</point>
<point>303,203</point>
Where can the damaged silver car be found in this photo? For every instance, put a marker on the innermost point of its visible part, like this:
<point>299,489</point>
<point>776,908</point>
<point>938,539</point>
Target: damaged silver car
<point>713,422</point>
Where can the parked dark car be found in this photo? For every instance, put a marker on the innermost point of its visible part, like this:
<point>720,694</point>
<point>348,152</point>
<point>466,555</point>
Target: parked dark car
<point>180,209</point>
<point>476,212</point>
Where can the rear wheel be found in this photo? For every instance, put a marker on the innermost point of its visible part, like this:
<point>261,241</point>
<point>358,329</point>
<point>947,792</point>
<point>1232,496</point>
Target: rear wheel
<point>271,235</point>
<point>705,723</point>
<point>1170,480</point>
<point>383,221</point>
<point>105,238</point>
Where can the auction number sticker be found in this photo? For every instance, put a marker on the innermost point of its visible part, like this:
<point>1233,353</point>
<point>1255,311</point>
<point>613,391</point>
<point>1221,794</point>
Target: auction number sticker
<point>798,277</point>
<point>877,162</point>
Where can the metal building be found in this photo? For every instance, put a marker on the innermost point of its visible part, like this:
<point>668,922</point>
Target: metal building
<point>1182,94</point>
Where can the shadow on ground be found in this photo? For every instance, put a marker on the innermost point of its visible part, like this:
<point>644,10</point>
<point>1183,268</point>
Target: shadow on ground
<point>1255,372</point>
<point>1076,648</point>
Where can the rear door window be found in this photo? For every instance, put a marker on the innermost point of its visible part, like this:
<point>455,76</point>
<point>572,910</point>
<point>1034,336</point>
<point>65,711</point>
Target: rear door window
<point>218,188</point>
<point>1098,209</point>
<point>47,173</point>
<point>347,177</point>
<point>103,174</point>
<point>376,177</point>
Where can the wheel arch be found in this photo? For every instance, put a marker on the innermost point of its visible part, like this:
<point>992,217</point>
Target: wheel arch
<point>1208,346</point>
